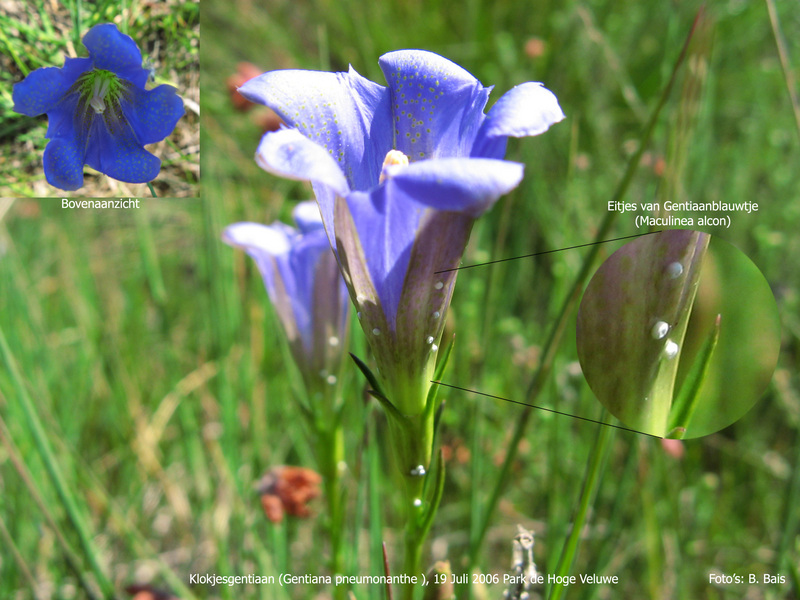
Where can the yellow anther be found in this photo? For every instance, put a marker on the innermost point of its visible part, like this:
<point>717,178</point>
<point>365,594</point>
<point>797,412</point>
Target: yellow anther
<point>393,157</point>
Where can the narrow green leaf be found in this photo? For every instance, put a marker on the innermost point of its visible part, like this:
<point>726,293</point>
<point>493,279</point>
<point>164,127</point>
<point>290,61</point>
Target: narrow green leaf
<point>438,373</point>
<point>373,381</point>
<point>150,264</point>
<point>436,420</point>
<point>436,498</point>
<point>75,515</point>
<point>686,401</point>
<point>390,408</point>
<point>430,403</point>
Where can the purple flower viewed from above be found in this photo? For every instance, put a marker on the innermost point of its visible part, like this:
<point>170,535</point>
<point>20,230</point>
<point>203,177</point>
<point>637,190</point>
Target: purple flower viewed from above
<point>400,173</point>
<point>99,112</point>
<point>305,287</point>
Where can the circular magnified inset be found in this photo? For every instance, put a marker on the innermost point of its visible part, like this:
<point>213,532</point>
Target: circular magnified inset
<point>678,334</point>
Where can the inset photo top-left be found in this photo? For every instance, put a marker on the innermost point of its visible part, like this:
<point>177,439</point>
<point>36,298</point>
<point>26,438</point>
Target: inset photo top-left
<point>99,99</point>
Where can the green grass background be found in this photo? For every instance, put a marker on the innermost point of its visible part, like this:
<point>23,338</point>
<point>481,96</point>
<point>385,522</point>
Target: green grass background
<point>149,351</point>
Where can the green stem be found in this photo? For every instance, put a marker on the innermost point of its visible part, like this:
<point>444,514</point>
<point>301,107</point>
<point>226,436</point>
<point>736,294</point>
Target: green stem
<point>325,412</point>
<point>330,450</point>
<point>414,537</point>
<point>412,440</point>
<point>152,189</point>
<point>556,334</point>
<point>590,484</point>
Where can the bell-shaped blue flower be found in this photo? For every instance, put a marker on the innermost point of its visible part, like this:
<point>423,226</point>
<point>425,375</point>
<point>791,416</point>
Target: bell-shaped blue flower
<point>305,287</point>
<point>99,112</point>
<point>400,174</point>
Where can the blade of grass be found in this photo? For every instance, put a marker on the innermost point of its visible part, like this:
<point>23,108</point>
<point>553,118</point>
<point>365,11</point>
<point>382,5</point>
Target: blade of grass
<point>783,54</point>
<point>12,52</point>
<point>18,560</point>
<point>78,520</point>
<point>71,558</point>
<point>591,483</point>
<point>225,320</point>
<point>77,22</point>
<point>47,24</point>
<point>386,571</point>
<point>791,520</point>
<point>150,263</point>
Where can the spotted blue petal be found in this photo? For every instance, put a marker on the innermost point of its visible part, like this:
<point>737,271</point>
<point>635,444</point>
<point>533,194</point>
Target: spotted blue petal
<point>437,107</point>
<point>153,114</point>
<point>114,51</point>
<point>99,112</point>
<point>42,89</point>
<point>343,113</point>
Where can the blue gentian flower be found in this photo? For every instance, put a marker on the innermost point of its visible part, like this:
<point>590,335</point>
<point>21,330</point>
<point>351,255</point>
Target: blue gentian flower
<point>305,287</point>
<point>400,174</point>
<point>99,112</point>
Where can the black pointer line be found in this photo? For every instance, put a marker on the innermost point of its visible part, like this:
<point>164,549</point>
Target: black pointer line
<point>491,262</point>
<point>455,387</point>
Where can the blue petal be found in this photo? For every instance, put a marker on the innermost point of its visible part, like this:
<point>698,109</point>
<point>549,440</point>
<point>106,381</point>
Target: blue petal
<point>467,185</point>
<point>42,89</point>
<point>263,243</point>
<point>305,256</point>
<point>269,246</point>
<point>387,219</point>
<point>344,113</point>
<point>63,163</point>
<point>437,106</point>
<point>320,301</point>
<point>306,215</point>
<point>64,117</point>
<point>289,264</point>
<point>289,153</point>
<point>385,226</point>
<point>528,109</point>
<point>112,149</point>
<point>154,113</point>
<point>64,154</point>
<point>114,51</point>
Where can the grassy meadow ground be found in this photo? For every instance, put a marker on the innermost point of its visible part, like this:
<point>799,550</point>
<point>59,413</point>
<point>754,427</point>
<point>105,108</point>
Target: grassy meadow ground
<point>144,385</point>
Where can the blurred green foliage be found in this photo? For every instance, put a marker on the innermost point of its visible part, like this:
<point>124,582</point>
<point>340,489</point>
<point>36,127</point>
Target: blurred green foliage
<point>165,406</point>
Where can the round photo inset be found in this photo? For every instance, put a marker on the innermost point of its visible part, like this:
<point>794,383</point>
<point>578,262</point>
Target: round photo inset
<point>678,334</point>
